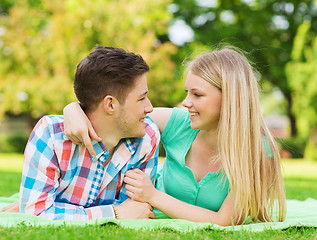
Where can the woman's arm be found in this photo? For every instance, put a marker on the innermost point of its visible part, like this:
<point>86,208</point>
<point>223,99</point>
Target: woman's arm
<point>78,128</point>
<point>140,188</point>
<point>161,116</point>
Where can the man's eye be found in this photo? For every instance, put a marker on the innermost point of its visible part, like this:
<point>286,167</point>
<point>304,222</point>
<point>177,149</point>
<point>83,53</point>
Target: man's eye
<point>141,99</point>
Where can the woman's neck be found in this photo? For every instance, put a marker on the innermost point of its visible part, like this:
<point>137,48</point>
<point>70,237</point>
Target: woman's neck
<point>208,139</point>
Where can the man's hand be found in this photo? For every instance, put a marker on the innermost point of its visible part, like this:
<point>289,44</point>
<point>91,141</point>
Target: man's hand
<point>139,186</point>
<point>130,209</point>
<point>13,207</point>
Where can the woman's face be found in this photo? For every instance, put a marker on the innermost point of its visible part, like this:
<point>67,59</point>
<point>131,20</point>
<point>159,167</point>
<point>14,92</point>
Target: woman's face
<point>203,102</point>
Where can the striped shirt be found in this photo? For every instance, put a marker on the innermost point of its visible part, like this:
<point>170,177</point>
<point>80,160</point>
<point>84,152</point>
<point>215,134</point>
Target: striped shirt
<point>61,180</point>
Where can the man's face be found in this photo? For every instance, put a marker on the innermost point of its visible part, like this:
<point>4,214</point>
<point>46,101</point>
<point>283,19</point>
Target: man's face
<point>133,111</point>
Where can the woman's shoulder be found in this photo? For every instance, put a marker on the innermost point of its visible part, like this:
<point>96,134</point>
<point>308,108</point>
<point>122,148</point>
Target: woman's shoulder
<point>178,118</point>
<point>177,125</point>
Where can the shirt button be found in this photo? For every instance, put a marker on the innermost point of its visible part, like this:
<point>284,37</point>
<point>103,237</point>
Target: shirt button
<point>90,201</point>
<point>99,171</point>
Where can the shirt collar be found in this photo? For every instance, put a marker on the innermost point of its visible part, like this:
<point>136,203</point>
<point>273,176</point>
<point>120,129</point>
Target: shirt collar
<point>130,144</point>
<point>101,149</point>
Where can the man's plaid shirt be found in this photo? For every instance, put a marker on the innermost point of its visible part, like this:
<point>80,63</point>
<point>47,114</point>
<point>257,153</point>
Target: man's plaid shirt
<point>61,180</point>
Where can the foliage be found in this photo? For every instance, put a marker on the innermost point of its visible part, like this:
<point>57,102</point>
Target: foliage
<point>301,73</point>
<point>266,28</point>
<point>44,40</point>
<point>14,143</point>
<point>5,6</point>
<point>294,145</point>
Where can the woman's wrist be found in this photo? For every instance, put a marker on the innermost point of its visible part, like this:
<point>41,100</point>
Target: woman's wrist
<point>155,197</point>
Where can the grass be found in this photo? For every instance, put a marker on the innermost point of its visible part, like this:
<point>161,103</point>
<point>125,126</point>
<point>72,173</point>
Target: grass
<point>300,179</point>
<point>10,172</point>
<point>300,183</point>
<point>115,232</point>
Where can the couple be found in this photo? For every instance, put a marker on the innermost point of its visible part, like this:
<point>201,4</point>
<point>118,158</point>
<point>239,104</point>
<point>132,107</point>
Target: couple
<point>222,165</point>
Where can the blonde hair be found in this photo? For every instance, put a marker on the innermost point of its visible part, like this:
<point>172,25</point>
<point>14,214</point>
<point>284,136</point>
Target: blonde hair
<point>254,177</point>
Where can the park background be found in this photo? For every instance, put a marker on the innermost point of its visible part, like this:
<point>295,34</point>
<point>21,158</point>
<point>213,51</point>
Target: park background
<point>42,41</point>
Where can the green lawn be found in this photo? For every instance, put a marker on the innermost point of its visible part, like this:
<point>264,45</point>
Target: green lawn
<point>300,183</point>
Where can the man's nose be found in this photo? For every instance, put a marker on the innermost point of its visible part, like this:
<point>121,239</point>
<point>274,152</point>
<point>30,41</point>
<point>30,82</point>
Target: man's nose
<point>148,107</point>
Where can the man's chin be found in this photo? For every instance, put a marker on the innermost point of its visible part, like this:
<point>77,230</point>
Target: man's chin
<point>140,135</point>
<point>141,132</point>
<point>137,134</point>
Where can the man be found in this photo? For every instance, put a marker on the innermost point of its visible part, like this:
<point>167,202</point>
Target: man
<point>62,180</point>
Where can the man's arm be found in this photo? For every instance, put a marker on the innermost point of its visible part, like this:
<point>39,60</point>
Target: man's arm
<point>40,181</point>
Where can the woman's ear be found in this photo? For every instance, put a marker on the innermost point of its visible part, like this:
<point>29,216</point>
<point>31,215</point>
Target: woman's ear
<point>110,104</point>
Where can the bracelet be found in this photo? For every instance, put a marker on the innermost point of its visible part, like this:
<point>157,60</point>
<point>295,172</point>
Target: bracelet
<point>116,215</point>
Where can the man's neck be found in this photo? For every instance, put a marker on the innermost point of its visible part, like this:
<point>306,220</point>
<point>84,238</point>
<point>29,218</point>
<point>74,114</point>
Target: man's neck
<point>104,127</point>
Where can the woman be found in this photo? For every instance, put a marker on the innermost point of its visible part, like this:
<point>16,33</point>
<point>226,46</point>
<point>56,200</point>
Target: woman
<point>222,164</point>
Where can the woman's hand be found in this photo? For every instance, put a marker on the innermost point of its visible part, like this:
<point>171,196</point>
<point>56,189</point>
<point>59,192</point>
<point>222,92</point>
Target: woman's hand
<point>78,128</point>
<point>139,186</point>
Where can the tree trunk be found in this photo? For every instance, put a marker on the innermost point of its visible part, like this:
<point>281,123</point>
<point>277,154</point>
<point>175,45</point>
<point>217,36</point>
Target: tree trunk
<point>290,114</point>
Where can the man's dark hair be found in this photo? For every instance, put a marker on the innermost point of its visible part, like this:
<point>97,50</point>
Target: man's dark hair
<point>107,71</point>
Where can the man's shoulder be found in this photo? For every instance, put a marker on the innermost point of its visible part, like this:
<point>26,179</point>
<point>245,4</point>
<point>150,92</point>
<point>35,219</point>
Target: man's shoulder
<point>54,124</point>
<point>53,119</point>
<point>151,129</point>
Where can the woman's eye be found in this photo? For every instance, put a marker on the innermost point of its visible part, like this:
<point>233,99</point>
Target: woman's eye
<point>197,95</point>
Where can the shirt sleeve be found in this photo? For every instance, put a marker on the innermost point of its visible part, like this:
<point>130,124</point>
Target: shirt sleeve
<point>40,181</point>
<point>178,122</point>
<point>149,163</point>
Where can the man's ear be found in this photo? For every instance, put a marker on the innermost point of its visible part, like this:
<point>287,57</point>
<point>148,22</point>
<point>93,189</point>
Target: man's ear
<point>110,104</point>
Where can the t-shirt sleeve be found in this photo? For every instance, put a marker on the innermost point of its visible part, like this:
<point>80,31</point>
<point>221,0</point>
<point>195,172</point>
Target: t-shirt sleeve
<point>178,120</point>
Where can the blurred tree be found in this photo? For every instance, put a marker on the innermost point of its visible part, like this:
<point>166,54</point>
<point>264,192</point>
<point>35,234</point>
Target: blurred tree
<point>5,6</point>
<point>301,72</point>
<point>266,28</point>
<point>43,41</point>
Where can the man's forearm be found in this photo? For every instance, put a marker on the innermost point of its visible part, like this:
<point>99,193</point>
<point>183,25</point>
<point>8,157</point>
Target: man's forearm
<point>66,211</point>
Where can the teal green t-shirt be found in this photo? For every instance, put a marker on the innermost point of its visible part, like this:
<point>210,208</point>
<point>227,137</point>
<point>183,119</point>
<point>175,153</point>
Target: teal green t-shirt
<point>176,179</point>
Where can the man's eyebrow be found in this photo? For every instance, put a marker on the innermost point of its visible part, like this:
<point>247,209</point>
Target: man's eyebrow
<point>143,94</point>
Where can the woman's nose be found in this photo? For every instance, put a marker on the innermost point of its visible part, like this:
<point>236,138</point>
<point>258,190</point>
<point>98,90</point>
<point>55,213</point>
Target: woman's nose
<point>186,103</point>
